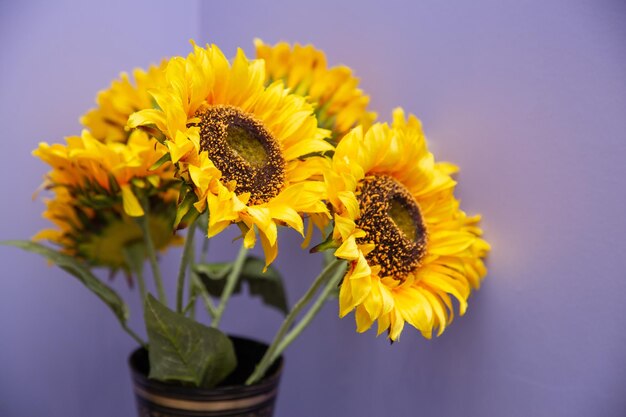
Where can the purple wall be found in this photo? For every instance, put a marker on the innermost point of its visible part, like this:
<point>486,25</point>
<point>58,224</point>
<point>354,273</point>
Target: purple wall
<point>529,98</point>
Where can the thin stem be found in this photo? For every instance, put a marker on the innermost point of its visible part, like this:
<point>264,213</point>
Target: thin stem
<point>138,270</point>
<point>208,303</point>
<point>205,250</point>
<point>156,272</point>
<point>190,308</point>
<point>231,282</point>
<point>184,262</point>
<point>321,279</point>
<point>310,315</point>
<point>193,290</point>
<point>134,335</point>
<point>191,305</point>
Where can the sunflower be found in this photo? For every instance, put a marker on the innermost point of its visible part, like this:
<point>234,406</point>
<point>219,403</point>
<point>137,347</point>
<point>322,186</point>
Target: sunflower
<point>107,122</point>
<point>97,188</point>
<point>396,221</point>
<point>249,152</point>
<point>340,104</point>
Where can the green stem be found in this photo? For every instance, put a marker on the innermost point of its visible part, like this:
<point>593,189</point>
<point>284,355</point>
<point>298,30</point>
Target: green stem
<point>134,335</point>
<point>137,270</point>
<point>191,305</point>
<point>193,290</point>
<point>321,279</point>
<point>201,290</point>
<point>184,263</point>
<point>231,283</point>
<point>205,250</point>
<point>202,223</point>
<point>310,315</point>
<point>156,272</point>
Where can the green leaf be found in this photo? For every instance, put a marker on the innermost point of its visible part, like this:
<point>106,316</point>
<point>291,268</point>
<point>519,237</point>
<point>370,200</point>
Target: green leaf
<point>165,158</point>
<point>329,243</point>
<point>80,271</point>
<point>186,213</point>
<point>214,271</point>
<point>153,131</point>
<point>184,350</point>
<point>267,285</point>
<point>213,277</point>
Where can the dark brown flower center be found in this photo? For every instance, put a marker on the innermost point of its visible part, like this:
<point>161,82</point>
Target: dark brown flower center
<point>243,150</point>
<point>392,221</point>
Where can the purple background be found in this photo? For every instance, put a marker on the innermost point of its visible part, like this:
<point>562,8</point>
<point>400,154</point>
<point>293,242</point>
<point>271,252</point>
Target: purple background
<point>528,97</point>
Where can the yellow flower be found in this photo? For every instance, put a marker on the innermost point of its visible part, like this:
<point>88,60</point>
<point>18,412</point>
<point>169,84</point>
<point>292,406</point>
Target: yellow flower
<point>248,151</point>
<point>107,122</point>
<point>97,188</point>
<point>340,104</point>
<point>409,245</point>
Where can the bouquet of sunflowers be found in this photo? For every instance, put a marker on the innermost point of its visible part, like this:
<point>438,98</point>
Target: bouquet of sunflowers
<point>202,143</point>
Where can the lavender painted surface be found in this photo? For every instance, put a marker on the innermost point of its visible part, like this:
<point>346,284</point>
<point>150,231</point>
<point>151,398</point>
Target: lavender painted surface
<point>528,97</point>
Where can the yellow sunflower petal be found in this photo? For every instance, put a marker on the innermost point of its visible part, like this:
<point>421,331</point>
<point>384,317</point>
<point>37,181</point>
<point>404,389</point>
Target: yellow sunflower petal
<point>270,251</point>
<point>131,205</point>
<point>396,219</point>
<point>212,115</point>
<point>396,325</point>
<point>97,185</point>
<point>346,305</point>
<point>348,249</point>
<point>384,322</point>
<point>334,90</point>
<point>363,319</point>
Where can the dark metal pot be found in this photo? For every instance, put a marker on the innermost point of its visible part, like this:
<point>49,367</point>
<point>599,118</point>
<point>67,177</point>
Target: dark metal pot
<point>231,398</point>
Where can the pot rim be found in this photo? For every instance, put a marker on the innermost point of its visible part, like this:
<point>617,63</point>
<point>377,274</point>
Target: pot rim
<point>270,380</point>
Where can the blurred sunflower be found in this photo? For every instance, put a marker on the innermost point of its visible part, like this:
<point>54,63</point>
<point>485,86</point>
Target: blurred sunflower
<point>249,152</point>
<point>396,221</point>
<point>107,122</point>
<point>339,104</point>
<point>97,190</point>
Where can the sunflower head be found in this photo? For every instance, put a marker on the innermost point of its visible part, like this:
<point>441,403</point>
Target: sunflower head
<point>126,95</point>
<point>244,150</point>
<point>97,190</point>
<point>250,152</point>
<point>397,222</point>
<point>334,91</point>
<point>392,221</point>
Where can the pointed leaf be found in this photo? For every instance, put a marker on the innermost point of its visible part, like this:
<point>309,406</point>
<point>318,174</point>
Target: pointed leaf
<point>329,243</point>
<point>80,271</point>
<point>165,158</point>
<point>184,350</point>
<point>213,277</point>
<point>267,285</point>
<point>185,211</point>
